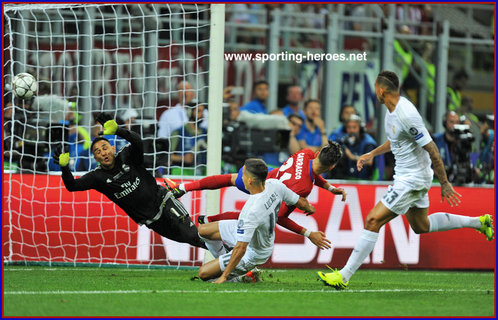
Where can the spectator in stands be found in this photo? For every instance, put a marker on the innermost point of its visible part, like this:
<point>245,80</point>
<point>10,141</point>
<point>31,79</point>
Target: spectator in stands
<point>346,111</point>
<point>80,156</point>
<point>176,116</point>
<point>260,92</point>
<point>356,143</point>
<point>294,98</point>
<point>454,91</point>
<point>129,117</point>
<point>295,124</point>
<point>445,141</point>
<point>312,134</point>
<point>410,13</point>
<point>427,20</point>
<point>189,145</point>
<point>403,55</point>
<point>485,163</point>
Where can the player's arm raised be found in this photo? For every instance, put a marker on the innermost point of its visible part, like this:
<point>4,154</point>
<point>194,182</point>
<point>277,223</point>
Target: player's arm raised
<point>447,191</point>
<point>62,159</point>
<point>237,253</point>
<point>111,127</point>
<point>322,183</point>
<point>364,158</point>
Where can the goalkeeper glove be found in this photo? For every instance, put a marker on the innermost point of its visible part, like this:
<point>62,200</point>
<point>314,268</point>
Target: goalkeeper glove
<point>110,126</point>
<point>61,158</point>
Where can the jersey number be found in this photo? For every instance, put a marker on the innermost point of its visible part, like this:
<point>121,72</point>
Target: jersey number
<point>390,196</point>
<point>285,166</point>
<point>273,218</point>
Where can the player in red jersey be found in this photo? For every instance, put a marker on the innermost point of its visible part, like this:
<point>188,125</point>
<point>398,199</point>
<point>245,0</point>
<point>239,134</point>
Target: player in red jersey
<point>299,173</point>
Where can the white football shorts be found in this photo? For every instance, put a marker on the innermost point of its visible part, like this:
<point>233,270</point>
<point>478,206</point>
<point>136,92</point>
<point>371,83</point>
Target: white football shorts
<point>251,259</point>
<point>401,196</point>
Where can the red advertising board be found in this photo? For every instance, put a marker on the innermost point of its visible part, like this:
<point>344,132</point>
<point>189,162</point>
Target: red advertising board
<point>42,221</point>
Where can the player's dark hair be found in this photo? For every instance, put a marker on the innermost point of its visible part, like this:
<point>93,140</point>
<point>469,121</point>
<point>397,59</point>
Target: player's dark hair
<point>257,168</point>
<point>307,102</point>
<point>388,80</point>
<point>330,154</point>
<point>97,140</point>
<point>259,82</point>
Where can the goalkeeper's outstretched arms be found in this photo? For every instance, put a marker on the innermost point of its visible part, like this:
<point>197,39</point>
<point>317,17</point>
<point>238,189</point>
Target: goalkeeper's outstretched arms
<point>111,128</point>
<point>62,159</point>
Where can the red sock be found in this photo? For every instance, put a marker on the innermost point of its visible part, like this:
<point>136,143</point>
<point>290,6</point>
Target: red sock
<point>229,215</point>
<point>212,182</point>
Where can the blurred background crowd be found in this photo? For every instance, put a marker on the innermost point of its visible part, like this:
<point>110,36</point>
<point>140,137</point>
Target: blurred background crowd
<point>175,134</point>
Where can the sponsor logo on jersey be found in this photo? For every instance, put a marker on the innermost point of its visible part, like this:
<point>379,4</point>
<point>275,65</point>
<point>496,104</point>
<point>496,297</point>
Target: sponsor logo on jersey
<point>413,131</point>
<point>129,187</point>
<point>299,166</point>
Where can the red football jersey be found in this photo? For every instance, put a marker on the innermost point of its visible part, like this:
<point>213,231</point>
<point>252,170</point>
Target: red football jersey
<point>297,174</point>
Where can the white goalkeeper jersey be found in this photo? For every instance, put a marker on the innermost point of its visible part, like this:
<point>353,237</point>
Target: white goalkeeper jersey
<point>256,223</point>
<point>407,134</point>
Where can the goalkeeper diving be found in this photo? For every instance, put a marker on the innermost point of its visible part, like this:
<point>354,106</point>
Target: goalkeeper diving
<point>123,178</point>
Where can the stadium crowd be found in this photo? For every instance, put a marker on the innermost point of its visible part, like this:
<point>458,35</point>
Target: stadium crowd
<point>184,128</point>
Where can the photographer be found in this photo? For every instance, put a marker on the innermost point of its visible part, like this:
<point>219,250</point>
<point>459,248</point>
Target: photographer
<point>355,143</point>
<point>247,134</point>
<point>485,163</point>
<point>455,145</point>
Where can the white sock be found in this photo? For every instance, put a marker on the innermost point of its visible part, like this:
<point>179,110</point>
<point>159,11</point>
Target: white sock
<point>215,247</point>
<point>361,250</point>
<point>442,221</point>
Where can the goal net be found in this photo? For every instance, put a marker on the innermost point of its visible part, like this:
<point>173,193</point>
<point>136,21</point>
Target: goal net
<point>134,61</point>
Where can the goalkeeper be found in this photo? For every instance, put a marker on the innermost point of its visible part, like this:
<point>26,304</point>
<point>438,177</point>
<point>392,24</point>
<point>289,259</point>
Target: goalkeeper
<point>122,177</point>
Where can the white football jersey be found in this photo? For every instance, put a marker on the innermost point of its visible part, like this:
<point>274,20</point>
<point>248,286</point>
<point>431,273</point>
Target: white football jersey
<point>258,217</point>
<point>407,134</point>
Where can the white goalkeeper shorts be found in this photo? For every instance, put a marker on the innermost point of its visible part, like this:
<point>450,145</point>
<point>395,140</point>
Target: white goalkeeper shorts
<point>251,259</point>
<point>401,196</point>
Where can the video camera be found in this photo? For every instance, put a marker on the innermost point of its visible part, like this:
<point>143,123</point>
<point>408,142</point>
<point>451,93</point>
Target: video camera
<point>462,170</point>
<point>240,142</point>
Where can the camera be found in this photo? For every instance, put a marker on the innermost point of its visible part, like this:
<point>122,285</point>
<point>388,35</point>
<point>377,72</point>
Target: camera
<point>240,142</point>
<point>462,170</point>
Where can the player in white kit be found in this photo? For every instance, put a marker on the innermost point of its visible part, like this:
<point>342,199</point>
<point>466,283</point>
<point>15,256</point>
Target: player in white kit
<point>413,151</point>
<point>251,236</point>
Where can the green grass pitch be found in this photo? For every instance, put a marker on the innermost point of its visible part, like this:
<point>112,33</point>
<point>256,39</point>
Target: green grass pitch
<point>87,291</point>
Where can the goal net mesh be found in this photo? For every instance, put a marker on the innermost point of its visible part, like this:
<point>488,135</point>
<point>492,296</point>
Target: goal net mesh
<point>134,61</point>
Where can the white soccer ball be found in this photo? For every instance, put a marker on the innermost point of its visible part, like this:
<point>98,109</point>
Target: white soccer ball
<point>24,85</point>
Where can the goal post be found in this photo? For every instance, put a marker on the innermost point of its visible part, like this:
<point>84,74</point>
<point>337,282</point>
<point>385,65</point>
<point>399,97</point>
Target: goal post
<point>216,62</point>
<point>125,59</point>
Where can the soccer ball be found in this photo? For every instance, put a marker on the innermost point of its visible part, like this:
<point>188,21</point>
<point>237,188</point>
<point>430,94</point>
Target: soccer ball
<point>24,85</point>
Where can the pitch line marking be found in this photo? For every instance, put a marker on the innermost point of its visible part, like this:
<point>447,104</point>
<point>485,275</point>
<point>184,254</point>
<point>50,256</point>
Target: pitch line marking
<point>424,273</point>
<point>238,291</point>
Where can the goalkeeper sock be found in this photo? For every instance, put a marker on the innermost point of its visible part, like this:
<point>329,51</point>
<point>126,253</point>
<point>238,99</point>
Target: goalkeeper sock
<point>214,246</point>
<point>212,182</point>
<point>361,250</point>
<point>229,215</point>
<point>442,221</point>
